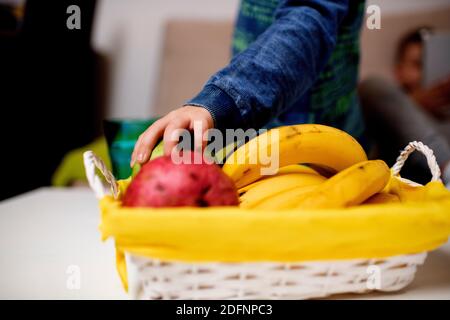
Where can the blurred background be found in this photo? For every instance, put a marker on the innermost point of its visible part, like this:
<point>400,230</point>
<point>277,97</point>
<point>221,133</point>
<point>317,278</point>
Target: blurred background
<point>135,59</point>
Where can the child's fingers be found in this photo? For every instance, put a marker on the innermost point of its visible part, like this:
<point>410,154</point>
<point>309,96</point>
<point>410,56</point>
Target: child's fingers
<point>133,154</point>
<point>199,142</point>
<point>172,133</point>
<point>147,141</point>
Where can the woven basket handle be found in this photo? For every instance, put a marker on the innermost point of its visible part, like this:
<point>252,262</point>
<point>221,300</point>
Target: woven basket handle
<point>91,162</point>
<point>426,151</point>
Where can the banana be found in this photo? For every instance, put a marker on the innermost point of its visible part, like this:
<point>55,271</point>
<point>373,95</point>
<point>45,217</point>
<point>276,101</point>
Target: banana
<point>407,193</point>
<point>382,197</point>
<point>305,143</point>
<point>220,156</point>
<point>349,187</point>
<point>284,200</point>
<point>271,186</point>
<point>294,168</point>
<point>157,151</point>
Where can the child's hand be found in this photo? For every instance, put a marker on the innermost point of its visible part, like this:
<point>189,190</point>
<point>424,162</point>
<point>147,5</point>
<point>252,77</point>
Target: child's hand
<point>182,118</point>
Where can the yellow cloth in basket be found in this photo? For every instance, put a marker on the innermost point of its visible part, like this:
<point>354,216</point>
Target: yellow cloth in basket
<point>231,234</point>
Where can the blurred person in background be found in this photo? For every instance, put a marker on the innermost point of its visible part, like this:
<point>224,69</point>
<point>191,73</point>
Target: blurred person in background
<point>293,62</point>
<point>398,113</point>
<point>409,74</point>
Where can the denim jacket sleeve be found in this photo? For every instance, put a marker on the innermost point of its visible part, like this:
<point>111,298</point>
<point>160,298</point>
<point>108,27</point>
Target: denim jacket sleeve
<point>276,69</point>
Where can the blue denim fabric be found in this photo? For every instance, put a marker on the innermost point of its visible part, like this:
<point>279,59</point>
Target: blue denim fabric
<point>278,76</point>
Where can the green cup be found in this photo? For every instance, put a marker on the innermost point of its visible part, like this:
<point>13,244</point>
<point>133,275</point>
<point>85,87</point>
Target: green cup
<point>121,135</point>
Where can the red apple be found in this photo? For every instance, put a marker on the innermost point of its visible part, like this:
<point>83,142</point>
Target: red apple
<point>163,183</point>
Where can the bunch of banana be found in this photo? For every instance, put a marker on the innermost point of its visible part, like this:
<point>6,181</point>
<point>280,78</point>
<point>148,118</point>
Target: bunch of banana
<point>352,179</point>
<point>349,187</point>
<point>271,187</point>
<point>306,143</point>
<point>361,183</point>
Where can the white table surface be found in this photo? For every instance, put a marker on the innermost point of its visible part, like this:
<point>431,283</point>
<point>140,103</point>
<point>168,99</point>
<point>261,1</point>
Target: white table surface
<point>44,232</point>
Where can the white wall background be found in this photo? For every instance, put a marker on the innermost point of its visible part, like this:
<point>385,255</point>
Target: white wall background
<point>130,34</point>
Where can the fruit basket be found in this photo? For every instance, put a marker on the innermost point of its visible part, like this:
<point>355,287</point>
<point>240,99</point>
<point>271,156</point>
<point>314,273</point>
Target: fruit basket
<point>235,253</point>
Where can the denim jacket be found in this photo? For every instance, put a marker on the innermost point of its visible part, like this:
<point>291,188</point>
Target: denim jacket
<point>295,61</point>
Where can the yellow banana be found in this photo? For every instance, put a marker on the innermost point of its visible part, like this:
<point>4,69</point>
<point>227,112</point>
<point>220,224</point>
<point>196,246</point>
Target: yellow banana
<point>382,197</point>
<point>294,168</point>
<point>406,193</point>
<point>349,187</point>
<point>305,143</point>
<point>271,186</point>
<point>284,200</point>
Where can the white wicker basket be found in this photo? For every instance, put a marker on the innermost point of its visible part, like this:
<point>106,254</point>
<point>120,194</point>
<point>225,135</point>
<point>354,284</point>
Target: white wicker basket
<point>154,279</point>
